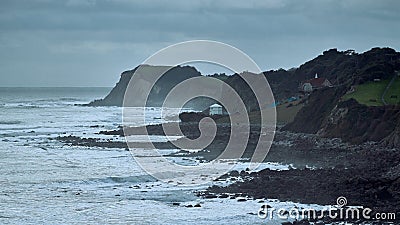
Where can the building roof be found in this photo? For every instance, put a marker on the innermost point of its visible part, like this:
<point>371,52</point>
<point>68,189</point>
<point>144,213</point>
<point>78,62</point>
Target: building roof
<point>215,106</point>
<point>316,82</point>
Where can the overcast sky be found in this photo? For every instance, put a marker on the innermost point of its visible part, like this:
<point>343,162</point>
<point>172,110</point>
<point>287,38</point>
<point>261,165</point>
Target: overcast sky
<point>90,42</point>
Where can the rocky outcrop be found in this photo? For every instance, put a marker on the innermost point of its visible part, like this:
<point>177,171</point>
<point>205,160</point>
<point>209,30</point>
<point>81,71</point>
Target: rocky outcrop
<point>358,123</point>
<point>348,120</point>
<point>159,91</point>
<point>393,139</point>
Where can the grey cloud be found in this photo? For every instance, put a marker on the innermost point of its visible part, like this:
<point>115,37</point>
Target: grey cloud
<point>100,38</point>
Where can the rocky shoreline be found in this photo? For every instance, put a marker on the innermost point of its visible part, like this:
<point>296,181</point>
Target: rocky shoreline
<point>366,174</point>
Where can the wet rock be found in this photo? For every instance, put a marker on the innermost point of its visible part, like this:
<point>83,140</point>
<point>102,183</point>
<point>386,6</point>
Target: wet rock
<point>268,206</point>
<point>241,199</point>
<point>223,195</point>
<point>287,223</point>
<point>210,196</point>
<point>234,173</point>
<point>301,222</point>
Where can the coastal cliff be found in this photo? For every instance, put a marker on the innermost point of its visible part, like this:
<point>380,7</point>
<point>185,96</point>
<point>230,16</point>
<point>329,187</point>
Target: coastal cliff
<point>358,123</point>
<point>349,120</point>
<point>328,112</point>
<point>159,91</point>
<point>355,117</point>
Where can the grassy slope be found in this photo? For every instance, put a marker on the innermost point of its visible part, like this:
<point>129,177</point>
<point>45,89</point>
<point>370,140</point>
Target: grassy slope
<point>286,115</point>
<point>394,90</point>
<point>369,91</point>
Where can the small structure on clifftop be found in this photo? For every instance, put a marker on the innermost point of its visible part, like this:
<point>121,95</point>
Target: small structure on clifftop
<point>216,109</point>
<point>313,84</point>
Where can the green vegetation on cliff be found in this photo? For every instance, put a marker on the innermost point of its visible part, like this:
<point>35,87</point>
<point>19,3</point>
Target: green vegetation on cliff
<point>368,94</point>
<point>373,93</point>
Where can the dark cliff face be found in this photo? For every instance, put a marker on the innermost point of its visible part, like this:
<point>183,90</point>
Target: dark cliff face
<point>170,79</point>
<point>159,91</point>
<point>116,96</point>
<point>358,123</point>
<point>355,123</point>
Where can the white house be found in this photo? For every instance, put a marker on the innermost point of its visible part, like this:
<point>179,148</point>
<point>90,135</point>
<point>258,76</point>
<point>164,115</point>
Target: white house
<point>215,109</point>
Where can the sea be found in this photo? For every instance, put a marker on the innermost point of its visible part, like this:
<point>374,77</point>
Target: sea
<point>45,181</point>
